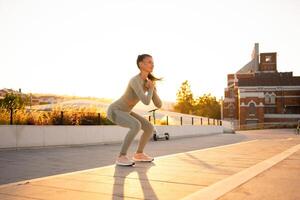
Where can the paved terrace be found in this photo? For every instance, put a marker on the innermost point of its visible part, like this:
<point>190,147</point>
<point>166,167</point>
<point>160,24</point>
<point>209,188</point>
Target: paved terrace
<point>257,165</point>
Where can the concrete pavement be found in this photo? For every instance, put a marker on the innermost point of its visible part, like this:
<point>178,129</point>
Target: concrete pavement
<point>279,182</point>
<point>176,176</point>
<point>23,164</point>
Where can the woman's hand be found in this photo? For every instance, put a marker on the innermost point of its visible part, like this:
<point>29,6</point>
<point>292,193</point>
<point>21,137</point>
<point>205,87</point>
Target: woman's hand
<point>149,84</point>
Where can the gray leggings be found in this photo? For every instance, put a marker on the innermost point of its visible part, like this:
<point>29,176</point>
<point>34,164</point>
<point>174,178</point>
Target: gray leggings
<point>135,123</point>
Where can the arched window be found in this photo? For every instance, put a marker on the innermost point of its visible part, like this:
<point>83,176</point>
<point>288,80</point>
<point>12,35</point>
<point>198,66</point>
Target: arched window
<point>272,99</point>
<point>252,109</point>
<point>267,98</point>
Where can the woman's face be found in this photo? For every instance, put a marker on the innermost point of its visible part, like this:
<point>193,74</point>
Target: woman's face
<point>147,64</point>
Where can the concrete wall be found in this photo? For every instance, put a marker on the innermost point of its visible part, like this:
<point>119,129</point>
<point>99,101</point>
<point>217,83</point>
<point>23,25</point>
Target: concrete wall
<point>19,136</point>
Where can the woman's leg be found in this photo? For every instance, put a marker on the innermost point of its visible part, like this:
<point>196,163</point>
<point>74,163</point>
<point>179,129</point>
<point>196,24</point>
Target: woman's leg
<point>148,131</point>
<point>126,120</point>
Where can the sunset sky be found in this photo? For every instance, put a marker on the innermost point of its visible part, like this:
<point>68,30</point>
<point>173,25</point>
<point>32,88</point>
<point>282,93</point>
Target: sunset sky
<point>89,48</point>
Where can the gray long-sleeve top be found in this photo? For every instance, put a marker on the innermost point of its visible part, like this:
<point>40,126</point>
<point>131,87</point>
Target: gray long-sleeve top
<point>134,93</point>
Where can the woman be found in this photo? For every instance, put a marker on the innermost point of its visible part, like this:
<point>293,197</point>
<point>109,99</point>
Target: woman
<point>120,111</point>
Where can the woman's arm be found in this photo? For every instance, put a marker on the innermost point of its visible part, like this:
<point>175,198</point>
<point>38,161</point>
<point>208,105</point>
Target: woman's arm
<point>156,100</point>
<point>138,89</point>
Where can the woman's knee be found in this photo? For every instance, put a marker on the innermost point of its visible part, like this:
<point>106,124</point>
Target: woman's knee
<point>136,126</point>
<point>151,128</point>
<point>148,127</point>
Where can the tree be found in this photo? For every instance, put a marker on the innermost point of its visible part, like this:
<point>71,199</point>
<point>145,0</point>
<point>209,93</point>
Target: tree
<point>207,106</point>
<point>185,101</point>
<point>13,102</point>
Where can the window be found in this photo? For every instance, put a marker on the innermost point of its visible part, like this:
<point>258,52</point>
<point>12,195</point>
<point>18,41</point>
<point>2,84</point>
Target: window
<point>270,110</point>
<point>252,109</point>
<point>272,99</point>
<point>267,99</point>
<point>293,109</point>
<point>268,59</point>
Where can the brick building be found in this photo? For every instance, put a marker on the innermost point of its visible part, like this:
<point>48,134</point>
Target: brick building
<point>259,94</point>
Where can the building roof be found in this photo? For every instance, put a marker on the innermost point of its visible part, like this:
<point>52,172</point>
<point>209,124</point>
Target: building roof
<point>271,79</point>
<point>252,66</point>
<point>248,68</point>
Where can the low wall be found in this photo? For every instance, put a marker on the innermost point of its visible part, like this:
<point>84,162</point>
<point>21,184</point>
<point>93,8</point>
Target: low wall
<point>19,136</point>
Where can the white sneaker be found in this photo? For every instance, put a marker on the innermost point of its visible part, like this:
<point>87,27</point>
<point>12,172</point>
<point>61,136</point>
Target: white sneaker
<point>142,157</point>
<point>124,161</point>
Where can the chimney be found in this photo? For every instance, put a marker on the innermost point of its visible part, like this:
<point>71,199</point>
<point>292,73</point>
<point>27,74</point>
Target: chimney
<point>255,56</point>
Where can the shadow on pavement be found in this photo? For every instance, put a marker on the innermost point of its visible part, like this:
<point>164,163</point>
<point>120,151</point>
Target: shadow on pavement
<point>121,174</point>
